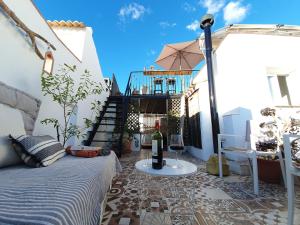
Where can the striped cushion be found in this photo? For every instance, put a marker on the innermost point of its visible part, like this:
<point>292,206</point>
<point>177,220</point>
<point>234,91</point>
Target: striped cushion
<point>44,148</point>
<point>29,160</point>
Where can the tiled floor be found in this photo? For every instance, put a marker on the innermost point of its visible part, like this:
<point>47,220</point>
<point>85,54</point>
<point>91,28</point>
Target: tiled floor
<point>216,201</point>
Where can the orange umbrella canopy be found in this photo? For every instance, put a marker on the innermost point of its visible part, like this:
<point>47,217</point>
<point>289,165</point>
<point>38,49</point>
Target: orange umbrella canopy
<point>180,56</point>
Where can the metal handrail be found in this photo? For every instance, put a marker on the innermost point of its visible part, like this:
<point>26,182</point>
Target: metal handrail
<point>128,91</point>
<point>139,79</point>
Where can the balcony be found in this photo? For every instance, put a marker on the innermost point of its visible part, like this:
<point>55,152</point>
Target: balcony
<point>159,83</point>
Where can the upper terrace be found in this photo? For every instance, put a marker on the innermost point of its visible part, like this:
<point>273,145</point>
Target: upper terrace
<point>159,83</point>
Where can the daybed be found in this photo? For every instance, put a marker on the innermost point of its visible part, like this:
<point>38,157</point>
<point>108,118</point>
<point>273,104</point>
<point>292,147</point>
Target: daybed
<point>68,192</point>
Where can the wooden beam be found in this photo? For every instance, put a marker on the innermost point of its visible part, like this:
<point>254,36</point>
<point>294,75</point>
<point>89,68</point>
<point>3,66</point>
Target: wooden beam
<point>31,34</point>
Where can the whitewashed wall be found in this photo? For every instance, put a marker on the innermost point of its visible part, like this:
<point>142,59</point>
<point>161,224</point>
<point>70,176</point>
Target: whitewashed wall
<point>241,65</point>
<point>204,109</point>
<point>21,67</point>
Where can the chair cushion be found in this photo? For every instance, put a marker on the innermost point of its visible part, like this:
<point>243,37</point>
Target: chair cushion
<point>11,122</point>
<point>44,148</point>
<point>231,148</point>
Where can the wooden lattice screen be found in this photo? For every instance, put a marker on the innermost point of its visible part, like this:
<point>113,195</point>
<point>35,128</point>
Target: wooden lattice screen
<point>174,105</point>
<point>173,118</point>
<point>133,117</point>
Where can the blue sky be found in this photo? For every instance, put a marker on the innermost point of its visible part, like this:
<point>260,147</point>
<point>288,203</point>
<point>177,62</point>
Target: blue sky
<point>129,35</point>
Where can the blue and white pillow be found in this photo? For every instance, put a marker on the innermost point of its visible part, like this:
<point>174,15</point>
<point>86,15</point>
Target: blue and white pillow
<point>44,148</point>
<point>28,160</point>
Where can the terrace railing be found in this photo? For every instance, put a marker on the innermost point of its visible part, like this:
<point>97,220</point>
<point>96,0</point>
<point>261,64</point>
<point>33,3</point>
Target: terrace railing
<point>153,82</point>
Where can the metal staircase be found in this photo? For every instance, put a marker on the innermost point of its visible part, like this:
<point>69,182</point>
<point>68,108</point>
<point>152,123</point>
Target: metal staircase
<point>108,128</point>
<point>107,131</point>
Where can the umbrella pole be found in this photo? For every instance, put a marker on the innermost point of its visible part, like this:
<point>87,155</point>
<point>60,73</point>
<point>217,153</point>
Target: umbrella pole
<point>205,24</point>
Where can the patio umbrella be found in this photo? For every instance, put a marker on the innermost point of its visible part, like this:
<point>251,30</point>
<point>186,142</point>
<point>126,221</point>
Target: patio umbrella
<point>180,56</point>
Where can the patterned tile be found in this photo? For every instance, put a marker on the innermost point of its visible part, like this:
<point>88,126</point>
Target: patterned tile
<point>136,198</point>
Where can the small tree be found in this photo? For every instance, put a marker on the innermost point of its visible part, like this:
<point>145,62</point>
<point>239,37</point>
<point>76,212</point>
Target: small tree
<point>64,91</point>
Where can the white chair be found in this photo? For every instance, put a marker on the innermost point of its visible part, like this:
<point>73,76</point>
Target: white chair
<point>291,171</point>
<point>246,148</point>
<point>242,152</point>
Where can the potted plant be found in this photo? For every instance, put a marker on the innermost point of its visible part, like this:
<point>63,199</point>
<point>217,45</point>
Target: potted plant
<point>272,130</point>
<point>127,139</point>
<point>67,93</point>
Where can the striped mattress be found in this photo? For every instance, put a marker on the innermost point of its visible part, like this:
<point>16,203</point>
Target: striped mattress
<point>70,191</point>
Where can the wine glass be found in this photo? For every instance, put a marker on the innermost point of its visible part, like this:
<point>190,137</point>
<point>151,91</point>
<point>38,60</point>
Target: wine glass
<point>176,144</point>
<point>147,145</point>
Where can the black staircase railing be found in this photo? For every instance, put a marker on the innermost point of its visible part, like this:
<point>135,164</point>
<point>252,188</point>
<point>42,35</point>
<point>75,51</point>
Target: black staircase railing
<point>125,103</point>
<point>114,86</point>
<point>92,133</point>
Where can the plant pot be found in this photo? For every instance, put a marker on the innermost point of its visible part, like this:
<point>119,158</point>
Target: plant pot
<point>127,146</point>
<point>269,171</point>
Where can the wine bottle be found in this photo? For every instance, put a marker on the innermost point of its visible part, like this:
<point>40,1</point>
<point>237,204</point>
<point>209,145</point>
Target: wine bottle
<point>157,148</point>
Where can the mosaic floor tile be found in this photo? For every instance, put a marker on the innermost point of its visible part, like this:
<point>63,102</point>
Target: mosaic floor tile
<point>201,199</point>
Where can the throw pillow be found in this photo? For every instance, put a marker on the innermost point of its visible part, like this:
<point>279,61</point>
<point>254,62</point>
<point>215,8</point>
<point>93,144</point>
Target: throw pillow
<point>29,160</point>
<point>44,148</point>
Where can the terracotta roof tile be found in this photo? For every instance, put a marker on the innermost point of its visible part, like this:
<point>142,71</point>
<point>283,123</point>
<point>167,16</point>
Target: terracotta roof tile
<point>69,23</point>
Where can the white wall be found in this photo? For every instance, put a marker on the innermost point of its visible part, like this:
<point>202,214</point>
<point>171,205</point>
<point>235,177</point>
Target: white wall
<point>204,109</point>
<point>73,38</point>
<point>242,63</point>
<point>22,68</point>
<point>240,68</point>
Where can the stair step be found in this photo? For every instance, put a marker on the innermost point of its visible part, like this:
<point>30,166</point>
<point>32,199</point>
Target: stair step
<point>115,97</point>
<point>115,100</point>
<point>109,132</point>
<point>117,112</point>
<point>111,117</point>
<point>111,141</point>
<point>111,106</point>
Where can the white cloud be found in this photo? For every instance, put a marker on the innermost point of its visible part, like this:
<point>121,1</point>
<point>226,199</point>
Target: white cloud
<point>193,26</point>
<point>151,52</point>
<point>188,7</point>
<point>132,11</point>
<point>212,6</point>
<point>166,24</point>
<point>235,12</point>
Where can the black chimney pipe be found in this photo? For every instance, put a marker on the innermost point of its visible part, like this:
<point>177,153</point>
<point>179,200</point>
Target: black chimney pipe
<point>205,24</point>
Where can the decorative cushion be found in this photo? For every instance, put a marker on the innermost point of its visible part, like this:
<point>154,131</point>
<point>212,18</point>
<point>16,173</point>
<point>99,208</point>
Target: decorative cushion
<point>11,122</point>
<point>87,151</point>
<point>44,148</point>
<point>29,160</point>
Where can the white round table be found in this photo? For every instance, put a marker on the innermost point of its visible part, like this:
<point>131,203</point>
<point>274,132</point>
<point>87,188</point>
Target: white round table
<point>185,168</point>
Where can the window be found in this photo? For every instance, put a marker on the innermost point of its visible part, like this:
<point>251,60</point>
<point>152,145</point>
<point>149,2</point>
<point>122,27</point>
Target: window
<point>48,63</point>
<point>279,90</point>
<point>195,130</point>
<point>194,120</point>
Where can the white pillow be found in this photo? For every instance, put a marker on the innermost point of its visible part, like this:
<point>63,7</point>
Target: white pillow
<point>11,122</point>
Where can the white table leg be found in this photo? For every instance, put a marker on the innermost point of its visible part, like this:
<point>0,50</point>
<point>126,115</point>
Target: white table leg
<point>291,193</point>
<point>255,174</point>
<point>220,164</point>
<point>282,167</point>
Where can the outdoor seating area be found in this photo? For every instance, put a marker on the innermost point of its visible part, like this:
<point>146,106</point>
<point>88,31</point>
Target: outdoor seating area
<point>208,133</point>
<point>228,200</point>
